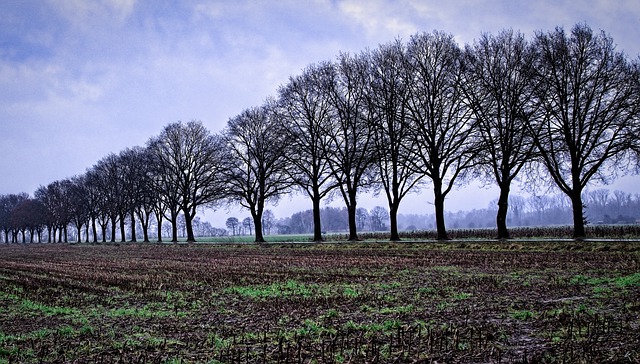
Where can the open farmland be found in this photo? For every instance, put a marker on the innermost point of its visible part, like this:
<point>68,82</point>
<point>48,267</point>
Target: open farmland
<point>457,302</point>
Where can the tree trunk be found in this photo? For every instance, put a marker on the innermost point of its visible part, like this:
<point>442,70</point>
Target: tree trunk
<point>113,229</point>
<point>145,228</point>
<point>578,217</point>
<point>503,208</point>
<point>174,226</point>
<point>438,201</point>
<point>159,221</point>
<point>317,226</point>
<point>256,214</point>
<point>393,220</point>
<point>95,230</point>
<point>133,227</point>
<point>188,221</point>
<point>351,208</point>
<point>123,234</point>
<point>79,228</point>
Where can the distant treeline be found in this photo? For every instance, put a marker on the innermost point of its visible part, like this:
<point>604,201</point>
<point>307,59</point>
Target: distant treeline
<point>601,206</point>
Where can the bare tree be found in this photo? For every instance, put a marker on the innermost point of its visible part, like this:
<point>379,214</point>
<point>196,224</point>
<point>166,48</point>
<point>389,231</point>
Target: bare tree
<point>142,194</point>
<point>590,105</point>
<point>500,89</point>
<point>379,218</point>
<point>56,196</point>
<point>444,130</point>
<point>233,223</point>
<point>305,111</point>
<point>79,203</point>
<point>268,220</point>
<point>392,142</point>
<point>108,180</point>
<point>350,149</point>
<point>192,157</point>
<point>258,165</point>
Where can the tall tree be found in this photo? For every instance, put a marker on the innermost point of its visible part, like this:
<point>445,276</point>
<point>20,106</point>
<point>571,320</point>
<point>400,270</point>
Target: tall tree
<point>350,148</point>
<point>108,179</point>
<point>442,124</point>
<point>500,88</point>
<point>304,109</point>
<point>590,105</point>
<point>392,142</point>
<point>256,146</point>
<point>192,156</point>
<point>79,203</point>
<point>57,197</point>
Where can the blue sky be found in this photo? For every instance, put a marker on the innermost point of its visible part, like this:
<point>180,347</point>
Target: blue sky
<point>80,79</point>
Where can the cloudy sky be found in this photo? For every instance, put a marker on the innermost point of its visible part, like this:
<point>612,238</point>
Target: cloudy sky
<point>82,78</point>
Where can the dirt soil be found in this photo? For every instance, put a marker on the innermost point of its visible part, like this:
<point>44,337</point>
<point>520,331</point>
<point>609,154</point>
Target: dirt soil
<point>524,302</point>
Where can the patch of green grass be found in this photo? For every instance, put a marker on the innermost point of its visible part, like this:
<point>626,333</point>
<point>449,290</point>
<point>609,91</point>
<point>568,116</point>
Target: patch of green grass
<point>48,310</point>
<point>350,291</point>
<point>599,284</point>
<point>460,296</point>
<point>384,326</point>
<point>523,315</point>
<point>397,309</point>
<point>313,328</point>
<point>628,281</point>
<point>275,290</point>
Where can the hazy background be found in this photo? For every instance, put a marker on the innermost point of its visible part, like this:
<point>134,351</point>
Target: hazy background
<point>80,79</point>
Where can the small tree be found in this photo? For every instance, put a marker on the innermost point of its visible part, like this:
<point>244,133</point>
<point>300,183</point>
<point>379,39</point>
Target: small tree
<point>268,219</point>
<point>233,223</point>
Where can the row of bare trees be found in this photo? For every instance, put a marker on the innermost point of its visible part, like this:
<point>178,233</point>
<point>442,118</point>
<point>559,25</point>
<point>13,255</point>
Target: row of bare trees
<point>562,107</point>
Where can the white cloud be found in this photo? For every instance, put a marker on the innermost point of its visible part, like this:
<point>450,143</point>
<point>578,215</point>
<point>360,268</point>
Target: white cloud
<point>85,14</point>
<point>382,19</point>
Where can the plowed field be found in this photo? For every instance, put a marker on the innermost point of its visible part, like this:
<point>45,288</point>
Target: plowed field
<point>325,303</point>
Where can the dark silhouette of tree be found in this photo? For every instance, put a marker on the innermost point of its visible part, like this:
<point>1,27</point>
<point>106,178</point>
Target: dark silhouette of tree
<point>20,218</point>
<point>445,134</point>
<point>395,148</point>
<point>79,203</point>
<point>350,148</point>
<point>362,218</point>
<point>256,146</point>
<point>141,195</point>
<point>190,160</point>
<point>590,102</point>
<point>56,196</point>
<point>500,88</point>
<point>268,220</point>
<point>246,226</point>
<point>7,205</point>
<point>107,178</point>
<point>304,109</point>
<point>379,218</point>
<point>233,223</point>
